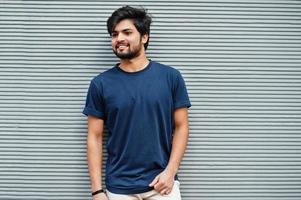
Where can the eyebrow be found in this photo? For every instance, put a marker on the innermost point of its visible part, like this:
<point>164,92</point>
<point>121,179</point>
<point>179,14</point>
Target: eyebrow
<point>123,30</point>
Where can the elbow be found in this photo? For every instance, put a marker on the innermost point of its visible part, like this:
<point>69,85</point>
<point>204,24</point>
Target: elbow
<point>94,137</point>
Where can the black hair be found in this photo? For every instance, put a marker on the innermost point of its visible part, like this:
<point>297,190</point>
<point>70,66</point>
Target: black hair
<point>140,17</point>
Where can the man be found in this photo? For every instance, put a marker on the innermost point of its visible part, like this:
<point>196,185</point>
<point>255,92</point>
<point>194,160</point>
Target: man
<point>144,105</point>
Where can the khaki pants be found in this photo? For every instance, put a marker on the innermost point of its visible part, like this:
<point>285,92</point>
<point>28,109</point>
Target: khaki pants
<point>151,195</point>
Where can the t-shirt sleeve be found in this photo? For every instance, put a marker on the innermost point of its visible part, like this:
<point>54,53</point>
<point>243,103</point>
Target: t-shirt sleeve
<point>180,95</point>
<point>94,101</point>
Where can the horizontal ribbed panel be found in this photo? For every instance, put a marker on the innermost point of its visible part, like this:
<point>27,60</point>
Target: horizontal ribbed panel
<point>241,61</point>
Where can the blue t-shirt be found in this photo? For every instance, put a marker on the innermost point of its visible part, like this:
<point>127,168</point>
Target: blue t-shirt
<point>137,109</point>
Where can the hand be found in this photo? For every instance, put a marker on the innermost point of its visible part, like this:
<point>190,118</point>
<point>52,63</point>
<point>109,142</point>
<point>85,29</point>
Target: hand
<point>100,196</point>
<point>163,182</point>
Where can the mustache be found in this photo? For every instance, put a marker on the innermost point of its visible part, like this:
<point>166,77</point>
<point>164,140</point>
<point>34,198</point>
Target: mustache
<point>121,44</point>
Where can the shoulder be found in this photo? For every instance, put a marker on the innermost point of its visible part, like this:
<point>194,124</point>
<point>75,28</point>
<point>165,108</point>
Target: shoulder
<point>101,77</point>
<point>166,69</point>
<point>168,73</point>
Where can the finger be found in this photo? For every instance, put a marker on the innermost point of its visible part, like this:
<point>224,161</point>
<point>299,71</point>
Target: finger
<point>164,191</point>
<point>154,182</point>
<point>160,185</point>
<point>168,191</point>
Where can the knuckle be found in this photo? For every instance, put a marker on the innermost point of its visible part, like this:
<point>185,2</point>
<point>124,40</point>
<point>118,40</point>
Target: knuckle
<point>163,183</point>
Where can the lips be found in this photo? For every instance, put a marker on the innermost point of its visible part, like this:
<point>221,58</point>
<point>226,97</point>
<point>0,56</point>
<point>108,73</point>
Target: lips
<point>121,46</point>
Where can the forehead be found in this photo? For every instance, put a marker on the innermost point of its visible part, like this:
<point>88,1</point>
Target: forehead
<point>125,24</point>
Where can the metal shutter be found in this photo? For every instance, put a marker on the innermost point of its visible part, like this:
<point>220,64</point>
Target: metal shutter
<point>242,64</point>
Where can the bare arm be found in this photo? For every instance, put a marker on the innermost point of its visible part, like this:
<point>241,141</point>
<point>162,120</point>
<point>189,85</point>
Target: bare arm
<point>163,182</point>
<point>94,153</point>
<point>180,139</point>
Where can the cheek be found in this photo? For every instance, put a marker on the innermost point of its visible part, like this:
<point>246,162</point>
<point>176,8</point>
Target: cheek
<point>113,45</point>
<point>135,42</point>
<point>113,42</point>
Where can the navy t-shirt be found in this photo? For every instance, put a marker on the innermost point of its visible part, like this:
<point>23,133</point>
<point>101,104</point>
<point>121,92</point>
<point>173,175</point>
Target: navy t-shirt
<point>137,109</point>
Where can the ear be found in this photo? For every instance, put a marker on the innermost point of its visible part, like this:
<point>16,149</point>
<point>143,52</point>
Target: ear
<point>144,38</point>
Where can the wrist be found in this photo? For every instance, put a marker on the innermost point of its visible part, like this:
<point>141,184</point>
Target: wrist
<point>96,186</point>
<point>172,169</point>
<point>98,192</point>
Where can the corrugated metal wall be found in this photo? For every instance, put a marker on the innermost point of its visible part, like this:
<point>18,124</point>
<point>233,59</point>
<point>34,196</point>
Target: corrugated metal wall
<point>242,64</point>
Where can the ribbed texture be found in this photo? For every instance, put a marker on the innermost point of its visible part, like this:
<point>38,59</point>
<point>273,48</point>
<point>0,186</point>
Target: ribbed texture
<point>242,64</point>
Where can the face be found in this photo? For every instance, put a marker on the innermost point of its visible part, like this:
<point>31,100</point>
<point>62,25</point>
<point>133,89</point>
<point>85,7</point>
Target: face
<point>127,43</point>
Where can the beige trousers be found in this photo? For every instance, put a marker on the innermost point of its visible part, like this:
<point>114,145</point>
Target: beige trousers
<point>151,195</point>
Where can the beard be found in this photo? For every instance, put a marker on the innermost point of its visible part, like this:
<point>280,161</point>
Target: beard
<point>130,54</point>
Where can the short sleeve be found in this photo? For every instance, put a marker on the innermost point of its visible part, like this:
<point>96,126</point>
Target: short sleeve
<point>180,95</point>
<point>94,101</point>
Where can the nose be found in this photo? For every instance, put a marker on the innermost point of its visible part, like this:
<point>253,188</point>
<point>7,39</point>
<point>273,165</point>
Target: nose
<point>120,37</point>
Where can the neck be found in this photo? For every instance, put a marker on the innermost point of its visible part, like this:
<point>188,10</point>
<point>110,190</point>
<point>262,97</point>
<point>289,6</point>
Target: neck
<point>135,64</point>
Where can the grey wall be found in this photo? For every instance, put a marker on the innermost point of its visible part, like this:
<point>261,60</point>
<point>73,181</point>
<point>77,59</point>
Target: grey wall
<point>242,64</point>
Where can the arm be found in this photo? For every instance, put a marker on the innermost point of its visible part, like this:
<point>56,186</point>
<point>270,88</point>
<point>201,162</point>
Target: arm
<point>94,154</point>
<point>180,139</point>
<point>163,182</point>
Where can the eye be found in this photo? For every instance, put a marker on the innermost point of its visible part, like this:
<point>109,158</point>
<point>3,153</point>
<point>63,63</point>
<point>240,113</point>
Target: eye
<point>114,35</point>
<point>128,32</point>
